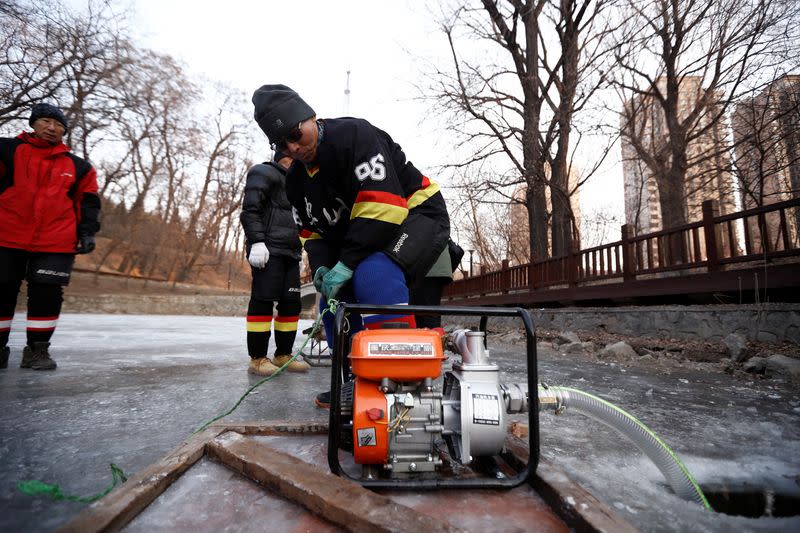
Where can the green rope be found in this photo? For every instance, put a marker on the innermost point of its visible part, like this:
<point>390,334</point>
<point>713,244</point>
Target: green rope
<point>37,488</point>
<point>330,309</point>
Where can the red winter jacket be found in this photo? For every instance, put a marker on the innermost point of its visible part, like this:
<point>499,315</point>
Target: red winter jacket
<point>48,196</point>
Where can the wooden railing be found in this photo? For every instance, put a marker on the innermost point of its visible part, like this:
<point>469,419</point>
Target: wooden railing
<point>716,243</point>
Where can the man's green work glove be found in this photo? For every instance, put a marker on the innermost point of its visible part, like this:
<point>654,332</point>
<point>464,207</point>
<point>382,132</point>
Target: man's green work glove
<point>318,275</point>
<point>334,280</point>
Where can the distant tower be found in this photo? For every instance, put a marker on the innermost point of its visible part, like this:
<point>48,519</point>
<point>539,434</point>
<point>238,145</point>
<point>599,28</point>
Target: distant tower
<point>347,95</point>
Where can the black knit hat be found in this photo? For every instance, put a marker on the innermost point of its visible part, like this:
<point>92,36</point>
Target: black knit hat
<point>43,110</point>
<point>278,109</point>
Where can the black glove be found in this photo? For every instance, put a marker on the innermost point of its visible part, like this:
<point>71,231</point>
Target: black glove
<point>85,244</point>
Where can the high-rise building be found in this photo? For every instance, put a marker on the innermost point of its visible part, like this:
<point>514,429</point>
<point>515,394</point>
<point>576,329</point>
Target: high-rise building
<point>708,176</point>
<point>766,133</point>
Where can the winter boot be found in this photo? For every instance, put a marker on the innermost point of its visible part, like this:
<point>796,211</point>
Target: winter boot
<point>37,358</point>
<point>27,358</point>
<point>323,400</point>
<point>4,351</point>
<point>294,366</point>
<point>262,366</point>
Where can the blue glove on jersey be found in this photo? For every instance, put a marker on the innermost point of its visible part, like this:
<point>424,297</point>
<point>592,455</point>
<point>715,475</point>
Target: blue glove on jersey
<point>333,280</point>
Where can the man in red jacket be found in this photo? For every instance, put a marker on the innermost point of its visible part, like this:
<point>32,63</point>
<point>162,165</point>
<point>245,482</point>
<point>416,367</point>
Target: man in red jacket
<point>49,211</point>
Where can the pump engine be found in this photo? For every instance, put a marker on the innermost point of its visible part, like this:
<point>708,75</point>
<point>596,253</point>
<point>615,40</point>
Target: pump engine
<point>399,414</point>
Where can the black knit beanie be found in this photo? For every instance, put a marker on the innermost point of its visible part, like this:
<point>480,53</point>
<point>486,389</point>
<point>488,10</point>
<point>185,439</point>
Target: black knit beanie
<point>278,109</point>
<point>43,110</point>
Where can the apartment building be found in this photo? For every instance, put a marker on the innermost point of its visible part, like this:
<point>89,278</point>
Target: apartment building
<point>709,175</point>
<point>766,133</point>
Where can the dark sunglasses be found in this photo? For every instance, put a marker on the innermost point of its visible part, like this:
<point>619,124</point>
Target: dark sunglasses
<point>294,135</point>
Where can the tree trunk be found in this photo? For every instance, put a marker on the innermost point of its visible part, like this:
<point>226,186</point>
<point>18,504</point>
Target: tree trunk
<point>537,219</point>
<point>673,211</point>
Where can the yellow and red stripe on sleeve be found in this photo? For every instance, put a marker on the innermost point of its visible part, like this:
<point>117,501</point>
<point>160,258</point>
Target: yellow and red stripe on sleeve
<point>306,235</point>
<point>426,190</point>
<point>378,205</point>
<point>258,323</point>
<point>286,323</point>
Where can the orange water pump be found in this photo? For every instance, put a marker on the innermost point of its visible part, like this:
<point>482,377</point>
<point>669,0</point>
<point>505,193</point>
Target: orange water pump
<point>412,420</point>
<point>383,362</point>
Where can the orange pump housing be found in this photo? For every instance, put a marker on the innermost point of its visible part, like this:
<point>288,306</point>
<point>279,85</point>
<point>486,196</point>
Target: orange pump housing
<point>398,354</point>
<point>370,431</point>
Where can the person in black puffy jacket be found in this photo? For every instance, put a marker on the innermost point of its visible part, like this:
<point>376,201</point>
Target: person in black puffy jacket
<point>273,250</point>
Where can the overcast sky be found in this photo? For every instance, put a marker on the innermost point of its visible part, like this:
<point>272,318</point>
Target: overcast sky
<point>310,45</point>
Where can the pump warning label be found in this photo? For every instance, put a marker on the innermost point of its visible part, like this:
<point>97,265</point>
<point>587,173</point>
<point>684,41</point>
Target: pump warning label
<point>405,349</point>
<point>366,437</point>
<point>485,409</point>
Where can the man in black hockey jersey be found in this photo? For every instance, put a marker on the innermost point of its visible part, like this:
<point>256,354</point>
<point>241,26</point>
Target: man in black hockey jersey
<point>372,224</point>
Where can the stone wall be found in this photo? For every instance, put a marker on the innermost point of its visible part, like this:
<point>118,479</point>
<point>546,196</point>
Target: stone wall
<point>158,304</point>
<point>162,304</point>
<point>775,322</point>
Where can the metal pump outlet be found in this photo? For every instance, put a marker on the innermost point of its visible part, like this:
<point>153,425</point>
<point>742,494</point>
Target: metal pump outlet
<point>405,420</point>
<point>475,402</point>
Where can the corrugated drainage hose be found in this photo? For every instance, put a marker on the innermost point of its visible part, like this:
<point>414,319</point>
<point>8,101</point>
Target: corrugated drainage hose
<point>678,476</point>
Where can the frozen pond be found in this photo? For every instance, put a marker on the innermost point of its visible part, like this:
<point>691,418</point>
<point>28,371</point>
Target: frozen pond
<point>130,388</point>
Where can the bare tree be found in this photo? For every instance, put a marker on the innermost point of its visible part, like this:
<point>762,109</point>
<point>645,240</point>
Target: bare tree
<point>489,225</point>
<point>32,59</point>
<point>151,139</point>
<point>221,186</point>
<point>171,176</point>
<point>489,235</point>
<point>600,225</point>
<point>51,53</point>
<point>681,64</point>
<point>766,132</point>
<point>97,43</point>
<point>576,74</point>
<point>514,102</point>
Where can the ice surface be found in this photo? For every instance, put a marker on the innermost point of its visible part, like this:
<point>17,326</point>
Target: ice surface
<point>726,434</point>
<point>129,389</point>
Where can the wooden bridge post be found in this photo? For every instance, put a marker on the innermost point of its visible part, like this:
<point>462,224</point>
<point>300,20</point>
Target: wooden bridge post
<point>531,276</point>
<point>572,263</point>
<point>628,266</point>
<point>506,277</point>
<point>710,211</point>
